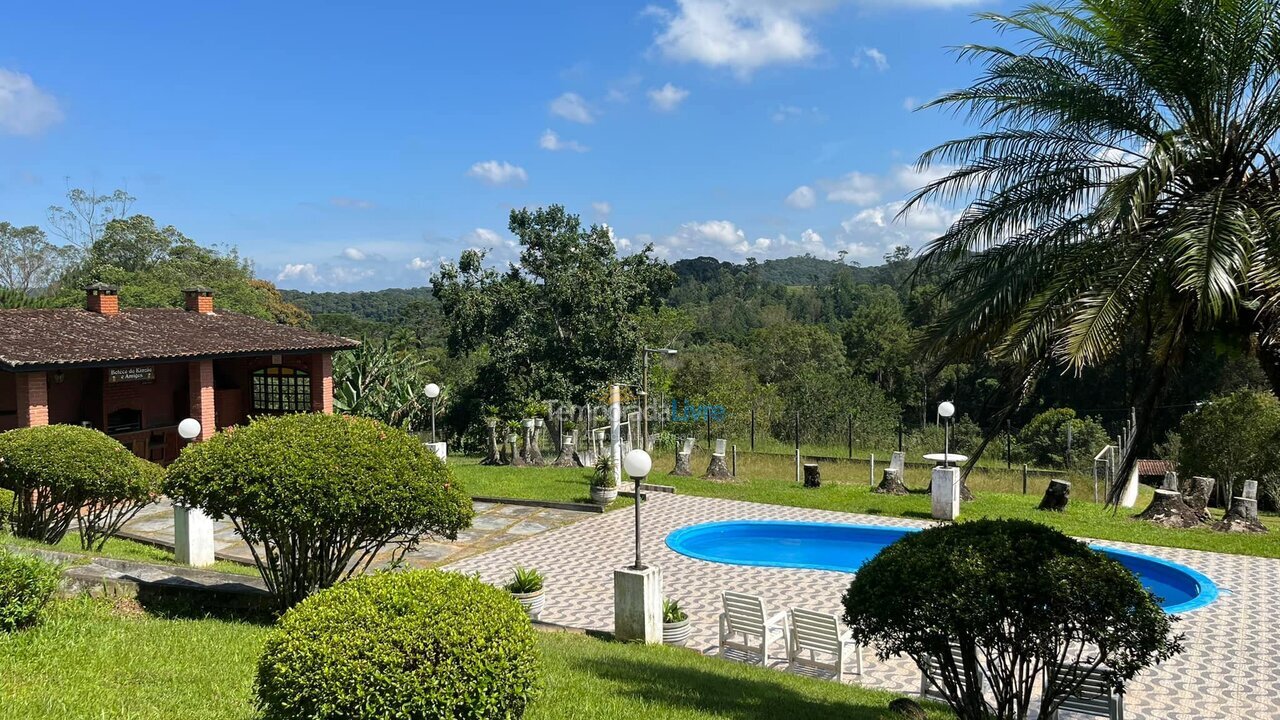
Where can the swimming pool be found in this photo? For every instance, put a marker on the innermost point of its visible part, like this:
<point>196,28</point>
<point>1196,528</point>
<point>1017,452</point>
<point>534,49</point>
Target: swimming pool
<point>845,548</point>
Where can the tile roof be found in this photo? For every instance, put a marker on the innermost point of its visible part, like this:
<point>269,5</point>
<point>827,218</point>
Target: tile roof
<point>1153,467</point>
<point>32,339</point>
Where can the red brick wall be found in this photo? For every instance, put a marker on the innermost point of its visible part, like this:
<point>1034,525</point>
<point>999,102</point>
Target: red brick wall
<point>33,399</point>
<point>162,401</point>
<point>196,302</point>
<point>200,386</point>
<point>105,304</point>
<point>321,366</point>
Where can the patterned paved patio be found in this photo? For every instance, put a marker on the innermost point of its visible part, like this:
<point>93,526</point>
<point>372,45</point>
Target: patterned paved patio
<point>494,525</point>
<point>1230,669</point>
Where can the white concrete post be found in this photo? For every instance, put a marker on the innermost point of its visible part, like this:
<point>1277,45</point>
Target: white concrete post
<point>946,493</point>
<point>615,430</point>
<point>637,604</point>
<point>192,537</point>
<point>440,449</point>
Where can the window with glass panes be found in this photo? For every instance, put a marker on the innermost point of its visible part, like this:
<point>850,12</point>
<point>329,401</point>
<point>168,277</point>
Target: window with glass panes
<point>279,389</point>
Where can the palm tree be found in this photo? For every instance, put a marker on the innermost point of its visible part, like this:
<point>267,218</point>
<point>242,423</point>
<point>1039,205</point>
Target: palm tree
<point>1123,190</point>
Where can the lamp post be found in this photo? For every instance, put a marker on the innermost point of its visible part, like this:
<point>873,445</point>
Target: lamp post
<point>433,392</point>
<point>637,464</point>
<point>189,429</point>
<point>945,410</point>
<point>192,528</point>
<point>644,391</point>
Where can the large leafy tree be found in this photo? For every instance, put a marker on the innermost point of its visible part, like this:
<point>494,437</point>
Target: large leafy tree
<point>560,323</point>
<point>28,261</point>
<point>1122,191</point>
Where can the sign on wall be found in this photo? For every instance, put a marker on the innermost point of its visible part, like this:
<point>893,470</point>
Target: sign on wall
<point>131,374</point>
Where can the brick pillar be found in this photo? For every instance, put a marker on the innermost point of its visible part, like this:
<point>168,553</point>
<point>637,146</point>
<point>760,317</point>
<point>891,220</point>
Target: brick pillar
<point>33,398</point>
<point>200,379</point>
<point>322,383</point>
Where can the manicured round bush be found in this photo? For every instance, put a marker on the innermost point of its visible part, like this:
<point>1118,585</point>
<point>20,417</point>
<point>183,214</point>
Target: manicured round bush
<point>59,473</point>
<point>323,495</point>
<point>26,585</point>
<point>416,645</point>
<point>1014,595</point>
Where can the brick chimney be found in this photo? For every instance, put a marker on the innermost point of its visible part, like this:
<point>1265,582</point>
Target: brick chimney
<point>199,299</point>
<point>102,299</point>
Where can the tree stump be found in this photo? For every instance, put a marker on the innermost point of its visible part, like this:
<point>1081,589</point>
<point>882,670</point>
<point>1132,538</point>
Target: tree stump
<point>891,483</point>
<point>1167,509</point>
<point>494,455</point>
<point>1197,494</point>
<point>532,453</point>
<point>1056,496</point>
<point>906,709</point>
<point>684,465</point>
<point>567,457</point>
<point>1242,517</point>
<point>515,458</point>
<point>717,469</point>
<point>812,477</point>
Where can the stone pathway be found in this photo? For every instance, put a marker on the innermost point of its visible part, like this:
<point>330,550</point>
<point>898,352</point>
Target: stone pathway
<point>1230,669</point>
<point>495,524</point>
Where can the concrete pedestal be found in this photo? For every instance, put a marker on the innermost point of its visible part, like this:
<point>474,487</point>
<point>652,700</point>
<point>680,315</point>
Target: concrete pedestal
<point>192,537</point>
<point>637,605</point>
<point>946,493</point>
<point>440,449</point>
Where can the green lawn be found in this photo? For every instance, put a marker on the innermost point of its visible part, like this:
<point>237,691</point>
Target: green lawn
<point>122,549</point>
<point>846,487</point>
<point>91,659</point>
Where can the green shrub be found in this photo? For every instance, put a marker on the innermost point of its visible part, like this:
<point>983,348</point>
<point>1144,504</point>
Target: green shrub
<point>322,495</point>
<point>602,473</point>
<point>525,580</point>
<point>26,585</point>
<point>1012,595</point>
<point>58,473</point>
<point>672,612</point>
<point>415,645</point>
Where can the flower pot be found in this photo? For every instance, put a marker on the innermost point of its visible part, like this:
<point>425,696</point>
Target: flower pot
<point>603,495</point>
<point>676,633</point>
<point>531,602</point>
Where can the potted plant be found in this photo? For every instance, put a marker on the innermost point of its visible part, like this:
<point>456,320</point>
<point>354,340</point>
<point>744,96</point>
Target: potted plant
<point>604,489</point>
<point>526,587</point>
<point>675,623</point>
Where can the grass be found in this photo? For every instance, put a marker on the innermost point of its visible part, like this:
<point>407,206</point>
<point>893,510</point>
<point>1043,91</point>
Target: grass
<point>93,659</point>
<point>845,487</point>
<point>122,549</point>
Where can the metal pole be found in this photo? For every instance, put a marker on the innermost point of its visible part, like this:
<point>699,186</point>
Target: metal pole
<point>899,432</point>
<point>1024,478</point>
<point>636,483</point>
<point>433,419</point>
<point>708,432</point>
<point>644,402</point>
<point>871,478</point>
<point>1008,444</point>
<point>797,430</point>
<point>850,436</point>
<point>946,443</point>
<point>734,472</point>
<point>753,429</point>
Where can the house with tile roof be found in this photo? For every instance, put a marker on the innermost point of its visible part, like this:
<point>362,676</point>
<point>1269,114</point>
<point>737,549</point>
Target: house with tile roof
<point>136,373</point>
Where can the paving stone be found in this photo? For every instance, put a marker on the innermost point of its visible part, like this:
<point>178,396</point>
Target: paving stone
<point>1229,669</point>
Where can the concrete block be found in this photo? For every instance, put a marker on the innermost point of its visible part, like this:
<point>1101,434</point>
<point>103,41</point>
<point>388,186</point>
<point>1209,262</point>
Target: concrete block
<point>946,493</point>
<point>192,537</point>
<point>637,604</point>
<point>440,449</point>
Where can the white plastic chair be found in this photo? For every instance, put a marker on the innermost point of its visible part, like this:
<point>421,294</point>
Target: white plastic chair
<point>931,676</point>
<point>816,632</point>
<point>745,615</point>
<point>1095,696</point>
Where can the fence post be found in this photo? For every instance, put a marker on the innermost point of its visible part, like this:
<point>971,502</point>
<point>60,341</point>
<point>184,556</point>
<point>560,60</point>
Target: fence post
<point>850,436</point>
<point>1024,478</point>
<point>797,431</point>
<point>1008,444</point>
<point>734,472</point>
<point>899,432</point>
<point>871,478</point>
<point>708,431</point>
<point>753,429</point>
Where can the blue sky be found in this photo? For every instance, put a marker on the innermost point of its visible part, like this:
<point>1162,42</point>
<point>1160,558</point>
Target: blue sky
<point>356,146</point>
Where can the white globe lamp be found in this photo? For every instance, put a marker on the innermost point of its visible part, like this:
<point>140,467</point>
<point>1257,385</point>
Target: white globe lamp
<point>637,463</point>
<point>189,429</point>
<point>433,391</point>
<point>946,409</point>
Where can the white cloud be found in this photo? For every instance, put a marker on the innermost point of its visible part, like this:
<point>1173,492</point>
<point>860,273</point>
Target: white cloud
<point>910,103</point>
<point>871,58</point>
<point>300,271</point>
<point>740,35</point>
<point>498,173</point>
<point>783,113</point>
<point>802,198</point>
<point>603,209</point>
<point>572,107</point>
<point>355,254</point>
<point>25,109</point>
<point>484,238</point>
<point>855,189</point>
<point>349,202</point>
<point>552,141</point>
<point>668,97</point>
<point>420,265</point>
<point>874,231</point>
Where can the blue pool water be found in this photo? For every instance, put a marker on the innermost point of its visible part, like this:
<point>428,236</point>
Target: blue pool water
<point>845,548</point>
